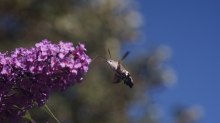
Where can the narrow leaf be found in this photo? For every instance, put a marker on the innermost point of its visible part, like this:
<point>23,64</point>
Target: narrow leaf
<point>28,116</point>
<point>46,108</point>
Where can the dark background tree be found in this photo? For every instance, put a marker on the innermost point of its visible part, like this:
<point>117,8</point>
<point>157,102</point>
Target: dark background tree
<point>100,24</point>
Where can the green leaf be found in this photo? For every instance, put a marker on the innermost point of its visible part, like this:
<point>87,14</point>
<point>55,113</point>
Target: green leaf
<point>28,116</point>
<point>45,108</point>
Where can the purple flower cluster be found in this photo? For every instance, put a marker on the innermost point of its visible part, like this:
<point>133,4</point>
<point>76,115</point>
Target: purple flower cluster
<point>27,76</point>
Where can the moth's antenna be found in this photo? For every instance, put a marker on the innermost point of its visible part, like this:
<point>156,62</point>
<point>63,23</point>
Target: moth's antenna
<point>109,53</point>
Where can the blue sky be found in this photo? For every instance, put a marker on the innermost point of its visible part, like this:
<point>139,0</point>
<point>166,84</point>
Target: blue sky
<point>191,28</point>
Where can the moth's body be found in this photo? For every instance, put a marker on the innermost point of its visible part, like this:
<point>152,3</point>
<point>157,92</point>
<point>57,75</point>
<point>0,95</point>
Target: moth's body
<point>120,73</point>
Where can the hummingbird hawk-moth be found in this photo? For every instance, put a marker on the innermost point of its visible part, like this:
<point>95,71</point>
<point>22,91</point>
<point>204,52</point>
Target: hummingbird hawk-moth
<point>121,74</point>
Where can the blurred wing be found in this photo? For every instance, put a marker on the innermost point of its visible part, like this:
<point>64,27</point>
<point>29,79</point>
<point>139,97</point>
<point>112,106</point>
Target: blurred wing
<point>116,79</point>
<point>124,56</point>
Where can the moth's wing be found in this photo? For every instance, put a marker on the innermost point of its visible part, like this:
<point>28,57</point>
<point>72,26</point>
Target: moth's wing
<point>124,56</point>
<point>129,81</point>
<point>116,79</point>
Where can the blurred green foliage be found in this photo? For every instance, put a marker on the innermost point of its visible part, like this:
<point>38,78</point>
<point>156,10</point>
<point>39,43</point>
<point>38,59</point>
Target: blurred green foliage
<point>100,24</point>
